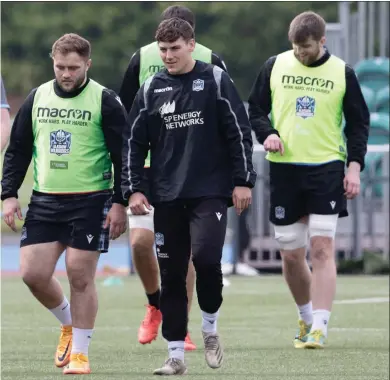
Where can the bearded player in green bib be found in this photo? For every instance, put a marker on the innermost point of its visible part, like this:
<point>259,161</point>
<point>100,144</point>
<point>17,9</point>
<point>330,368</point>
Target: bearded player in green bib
<point>143,64</point>
<point>71,128</point>
<point>307,90</point>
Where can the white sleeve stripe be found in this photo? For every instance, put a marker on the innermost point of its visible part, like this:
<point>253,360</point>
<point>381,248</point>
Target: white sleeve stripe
<point>217,71</point>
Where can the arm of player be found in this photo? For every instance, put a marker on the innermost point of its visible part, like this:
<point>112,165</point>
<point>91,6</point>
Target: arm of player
<point>236,127</point>
<point>18,155</point>
<point>113,122</point>
<point>260,103</point>
<point>357,119</point>
<point>135,147</point>
<point>130,84</point>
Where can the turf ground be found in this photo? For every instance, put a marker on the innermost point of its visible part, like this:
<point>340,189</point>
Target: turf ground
<point>257,324</point>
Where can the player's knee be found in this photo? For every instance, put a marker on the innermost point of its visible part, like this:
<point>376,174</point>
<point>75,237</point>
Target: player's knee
<point>35,279</point>
<point>206,255</point>
<point>79,279</point>
<point>291,237</point>
<point>142,241</point>
<point>323,226</point>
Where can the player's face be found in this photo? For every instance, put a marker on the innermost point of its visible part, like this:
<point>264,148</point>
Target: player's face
<point>70,70</point>
<point>176,55</point>
<point>309,51</point>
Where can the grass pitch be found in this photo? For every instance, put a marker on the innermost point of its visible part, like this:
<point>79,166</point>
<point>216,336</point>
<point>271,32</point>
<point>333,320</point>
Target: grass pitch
<point>257,325</point>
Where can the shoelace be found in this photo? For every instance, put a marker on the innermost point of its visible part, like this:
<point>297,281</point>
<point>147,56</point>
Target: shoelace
<point>79,358</point>
<point>317,334</point>
<point>211,342</point>
<point>174,363</point>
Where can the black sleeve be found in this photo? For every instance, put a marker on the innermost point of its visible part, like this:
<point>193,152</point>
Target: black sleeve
<point>218,61</point>
<point>130,84</point>
<point>357,118</point>
<point>18,155</point>
<point>236,127</point>
<point>260,103</point>
<point>135,147</point>
<point>114,122</point>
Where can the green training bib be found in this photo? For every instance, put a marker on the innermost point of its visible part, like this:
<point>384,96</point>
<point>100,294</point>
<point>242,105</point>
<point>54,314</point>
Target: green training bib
<point>151,63</point>
<point>69,153</point>
<point>307,110</point>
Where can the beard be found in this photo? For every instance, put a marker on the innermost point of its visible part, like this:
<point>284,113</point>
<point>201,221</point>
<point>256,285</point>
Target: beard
<point>308,59</point>
<point>71,85</point>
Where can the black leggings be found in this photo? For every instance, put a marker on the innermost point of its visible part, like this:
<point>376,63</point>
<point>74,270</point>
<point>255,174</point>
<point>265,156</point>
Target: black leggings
<point>197,226</point>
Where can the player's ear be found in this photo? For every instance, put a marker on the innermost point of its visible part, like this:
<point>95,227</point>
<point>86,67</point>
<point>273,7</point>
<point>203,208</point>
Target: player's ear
<point>89,64</point>
<point>191,45</point>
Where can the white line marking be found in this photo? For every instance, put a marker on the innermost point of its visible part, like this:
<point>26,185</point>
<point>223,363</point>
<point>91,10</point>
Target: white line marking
<point>363,300</point>
<point>227,328</point>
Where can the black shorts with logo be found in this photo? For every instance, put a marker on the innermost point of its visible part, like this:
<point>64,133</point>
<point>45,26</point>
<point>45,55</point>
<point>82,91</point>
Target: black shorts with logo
<point>299,190</point>
<point>75,220</point>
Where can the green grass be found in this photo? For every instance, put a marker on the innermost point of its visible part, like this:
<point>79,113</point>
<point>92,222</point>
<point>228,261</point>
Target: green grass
<point>257,325</point>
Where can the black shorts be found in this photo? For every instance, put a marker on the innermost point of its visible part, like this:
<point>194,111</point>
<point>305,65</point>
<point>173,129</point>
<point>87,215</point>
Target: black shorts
<point>184,226</point>
<point>74,220</point>
<point>299,190</point>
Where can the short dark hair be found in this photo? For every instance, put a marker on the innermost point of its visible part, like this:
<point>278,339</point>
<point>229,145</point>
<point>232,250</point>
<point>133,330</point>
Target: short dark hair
<point>72,43</point>
<point>179,11</point>
<point>306,25</point>
<point>172,29</point>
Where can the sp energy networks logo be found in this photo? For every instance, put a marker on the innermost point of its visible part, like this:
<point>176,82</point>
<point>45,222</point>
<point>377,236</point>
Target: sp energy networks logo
<point>174,120</point>
<point>300,82</point>
<point>167,108</point>
<point>64,113</point>
<point>60,142</point>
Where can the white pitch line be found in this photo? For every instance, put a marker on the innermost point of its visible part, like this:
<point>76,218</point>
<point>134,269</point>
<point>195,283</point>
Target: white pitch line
<point>223,328</point>
<point>363,300</point>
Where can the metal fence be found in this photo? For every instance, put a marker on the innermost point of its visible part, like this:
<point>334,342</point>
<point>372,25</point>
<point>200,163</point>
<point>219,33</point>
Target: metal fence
<point>366,228</point>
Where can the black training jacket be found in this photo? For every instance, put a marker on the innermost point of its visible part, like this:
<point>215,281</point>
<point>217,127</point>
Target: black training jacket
<point>198,132</point>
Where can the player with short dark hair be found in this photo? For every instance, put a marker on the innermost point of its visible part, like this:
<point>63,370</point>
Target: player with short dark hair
<point>307,90</point>
<point>71,127</point>
<point>191,117</point>
<point>143,64</point>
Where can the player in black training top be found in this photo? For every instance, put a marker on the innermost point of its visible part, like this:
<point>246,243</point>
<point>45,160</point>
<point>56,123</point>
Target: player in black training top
<point>193,120</point>
<point>143,64</point>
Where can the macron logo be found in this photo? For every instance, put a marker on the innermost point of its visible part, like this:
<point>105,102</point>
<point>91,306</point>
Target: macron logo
<point>166,89</point>
<point>167,108</point>
<point>219,215</point>
<point>89,238</point>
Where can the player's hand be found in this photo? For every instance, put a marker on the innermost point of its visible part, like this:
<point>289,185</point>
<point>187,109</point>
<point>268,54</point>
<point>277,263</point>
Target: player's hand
<point>242,198</point>
<point>116,220</point>
<point>11,206</point>
<point>352,180</point>
<point>139,205</point>
<point>273,144</point>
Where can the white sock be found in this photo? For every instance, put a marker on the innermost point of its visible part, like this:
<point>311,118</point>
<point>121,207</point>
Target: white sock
<point>305,312</point>
<point>176,349</point>
<point>320,321</point>
<point>62,313</point>
<point>81,340</point>
<point>209,322</point>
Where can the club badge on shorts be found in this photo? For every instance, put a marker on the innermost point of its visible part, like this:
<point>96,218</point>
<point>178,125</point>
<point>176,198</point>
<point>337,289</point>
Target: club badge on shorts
<point>279,212</point>
<point>198,85</point>
<point>305,107</point>
<point>159,237</point>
